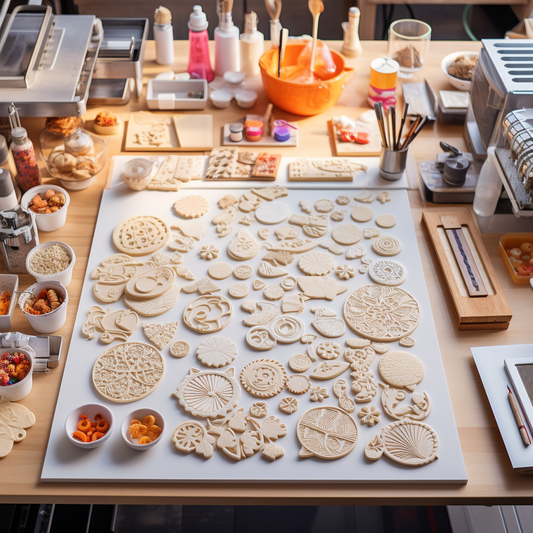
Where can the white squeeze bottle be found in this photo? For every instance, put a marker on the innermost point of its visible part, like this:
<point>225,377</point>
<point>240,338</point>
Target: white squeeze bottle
<point>226,40</point>
<point>251,45</point>
<point>163,36</point>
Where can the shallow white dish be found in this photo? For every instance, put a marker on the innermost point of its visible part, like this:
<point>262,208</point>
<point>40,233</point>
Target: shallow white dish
<point>52,221</point>
<point>65,276</point>
<point>462,85</point>
<point>78,185</point>
<point>140,414</point>
<point>90,410</point>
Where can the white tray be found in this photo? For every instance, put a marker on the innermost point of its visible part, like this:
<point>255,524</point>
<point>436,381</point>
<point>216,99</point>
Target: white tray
<point>362,180</point>
<point>115,461</point>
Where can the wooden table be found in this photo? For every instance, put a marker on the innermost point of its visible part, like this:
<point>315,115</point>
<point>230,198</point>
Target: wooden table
<point>491,478</point>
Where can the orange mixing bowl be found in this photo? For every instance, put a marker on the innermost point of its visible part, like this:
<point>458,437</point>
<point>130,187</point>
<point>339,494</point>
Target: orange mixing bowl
<point>302,99</point>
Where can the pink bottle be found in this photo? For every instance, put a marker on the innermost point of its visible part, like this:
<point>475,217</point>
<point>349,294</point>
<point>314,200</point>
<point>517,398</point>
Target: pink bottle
<point>199,65</point>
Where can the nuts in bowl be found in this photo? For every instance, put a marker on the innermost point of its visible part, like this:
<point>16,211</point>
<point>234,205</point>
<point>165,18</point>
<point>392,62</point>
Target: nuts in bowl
<point>50,204</point>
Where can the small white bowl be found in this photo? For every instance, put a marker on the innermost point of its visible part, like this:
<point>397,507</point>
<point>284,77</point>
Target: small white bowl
<point>8,282</point>
<point>462,85</point>
<point>139,414</point>
<point>90,410</point>
<point>65,276</point>
<point>52,221</point>
<point>21,389</point>
<point>51,321</point>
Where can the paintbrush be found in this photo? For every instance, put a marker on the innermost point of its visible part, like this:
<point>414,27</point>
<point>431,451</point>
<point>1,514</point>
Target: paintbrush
<point>405,109</point>
<point>411,131</point>
<point>379,118</point>
<point>392,116</point>
<point>284,35</point>
<point>423,122</point>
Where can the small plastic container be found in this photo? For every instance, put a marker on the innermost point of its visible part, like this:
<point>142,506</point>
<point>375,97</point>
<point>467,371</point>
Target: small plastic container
<point>137,173</point>
<point>65,276</point>
<point>8,282</point>
<point>52,221</point>
<point>52,321</point>
<point>21,389</point>
<point>140,414</point>
<point>90,410</point>
<point>514,240</point>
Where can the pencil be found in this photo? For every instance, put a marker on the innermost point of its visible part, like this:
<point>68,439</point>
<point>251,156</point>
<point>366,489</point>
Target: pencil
<point>518,418</point>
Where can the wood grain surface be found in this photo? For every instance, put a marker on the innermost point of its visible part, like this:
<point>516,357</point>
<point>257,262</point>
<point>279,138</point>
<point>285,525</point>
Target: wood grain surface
<point>491,478</point>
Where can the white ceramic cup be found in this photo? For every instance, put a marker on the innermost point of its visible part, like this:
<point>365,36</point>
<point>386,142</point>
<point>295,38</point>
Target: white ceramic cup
<point>51,321</point>
<point>21,389</point>
<point>52,221</point>
<point>65,276</point>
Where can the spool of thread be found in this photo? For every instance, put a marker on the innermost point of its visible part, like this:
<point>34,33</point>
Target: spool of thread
<point>383,80</point>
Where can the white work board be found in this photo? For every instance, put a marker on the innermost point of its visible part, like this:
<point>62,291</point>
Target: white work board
<point>490,365</point>
<point>362,180</point>
<point>115,461</point>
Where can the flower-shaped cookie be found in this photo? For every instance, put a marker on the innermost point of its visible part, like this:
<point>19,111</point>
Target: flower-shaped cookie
<point>318,394</point>
<point>328,350</point>
<point>259,409</point>
<point>369,415</point>
<point>345,272</point>
<point>288,405</point>
<point>208,252</point>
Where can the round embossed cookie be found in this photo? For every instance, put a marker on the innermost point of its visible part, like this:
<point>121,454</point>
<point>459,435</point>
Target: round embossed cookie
<point>220,271</point>
<point>180,349</point>
<point>128,372</point>
<point>381,313</point>
<point>387,246</point>
<point>387,272</point>
<point>316,263</point>
<point>401,369</point>
<point>141,235</point>
<point>238,290</point>
<point>272,213</point>
<point>191,206</point>
<point>298,384</point>
<point>243,271</point>
<point>263,378</point>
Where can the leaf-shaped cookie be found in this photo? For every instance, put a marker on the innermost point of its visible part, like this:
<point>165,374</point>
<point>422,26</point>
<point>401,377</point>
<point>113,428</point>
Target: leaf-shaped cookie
<point>250,443</point>
<point>205,447</point>
<point>273,429</point>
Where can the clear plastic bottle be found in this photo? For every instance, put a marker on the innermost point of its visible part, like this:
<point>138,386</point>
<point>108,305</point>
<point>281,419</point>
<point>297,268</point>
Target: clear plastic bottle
<point>199,66</point>
<point>25,160</point>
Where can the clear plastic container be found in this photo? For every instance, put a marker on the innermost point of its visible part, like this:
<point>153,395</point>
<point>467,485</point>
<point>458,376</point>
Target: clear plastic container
<point>75,157</point>
<point>409,45</point>
<point>25,160</point>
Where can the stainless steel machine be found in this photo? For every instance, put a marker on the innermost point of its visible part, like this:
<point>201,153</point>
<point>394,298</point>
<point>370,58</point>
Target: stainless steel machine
<point>502,86</point>
<point>46,61</point>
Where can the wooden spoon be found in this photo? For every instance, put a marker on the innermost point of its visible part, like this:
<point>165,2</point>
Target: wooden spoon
<point>277,3</point>
<point>316,7</point>
<point>271,8</point>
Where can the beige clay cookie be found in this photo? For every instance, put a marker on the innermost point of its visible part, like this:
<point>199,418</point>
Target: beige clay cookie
<point>401,369</point>
<point>386,221</point>
<point>243,271</point>
<point>160,334</point>
<point>387,246</point>
<point>314,429</point>
<point>243,246</point>
<point>220,271</point>
<point>238,290</point>
<point>208,314</point>
<point>141,235</point>
<point>362,214</point>
<point>346,234</point>
<point>288,405</point>
<point>381,313</point>
<point>191,206</point>
<point>180,349</point>
<point>216,351</point>
<point>298,384</point>
<point>128,372</point>
<point>263,378</point>
<point>316,263</point>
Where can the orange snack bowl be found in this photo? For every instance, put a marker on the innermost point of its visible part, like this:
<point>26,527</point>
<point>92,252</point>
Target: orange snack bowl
<point>302,99</point>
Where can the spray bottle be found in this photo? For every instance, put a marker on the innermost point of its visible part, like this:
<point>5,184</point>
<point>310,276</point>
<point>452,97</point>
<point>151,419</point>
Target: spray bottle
<point>199,66</point>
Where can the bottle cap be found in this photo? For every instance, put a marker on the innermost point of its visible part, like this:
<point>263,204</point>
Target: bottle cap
<point>4,151</point>
<point>6,183</point>
<point>19,135</point>
<point>198,19</point>
<point>162,16</point>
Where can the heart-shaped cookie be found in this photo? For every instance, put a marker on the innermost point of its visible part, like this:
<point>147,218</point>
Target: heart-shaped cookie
<point>160,334</point>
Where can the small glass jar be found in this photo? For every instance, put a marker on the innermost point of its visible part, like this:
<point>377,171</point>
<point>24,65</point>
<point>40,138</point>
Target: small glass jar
<point>25,160</point>
<point>409,45</point>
